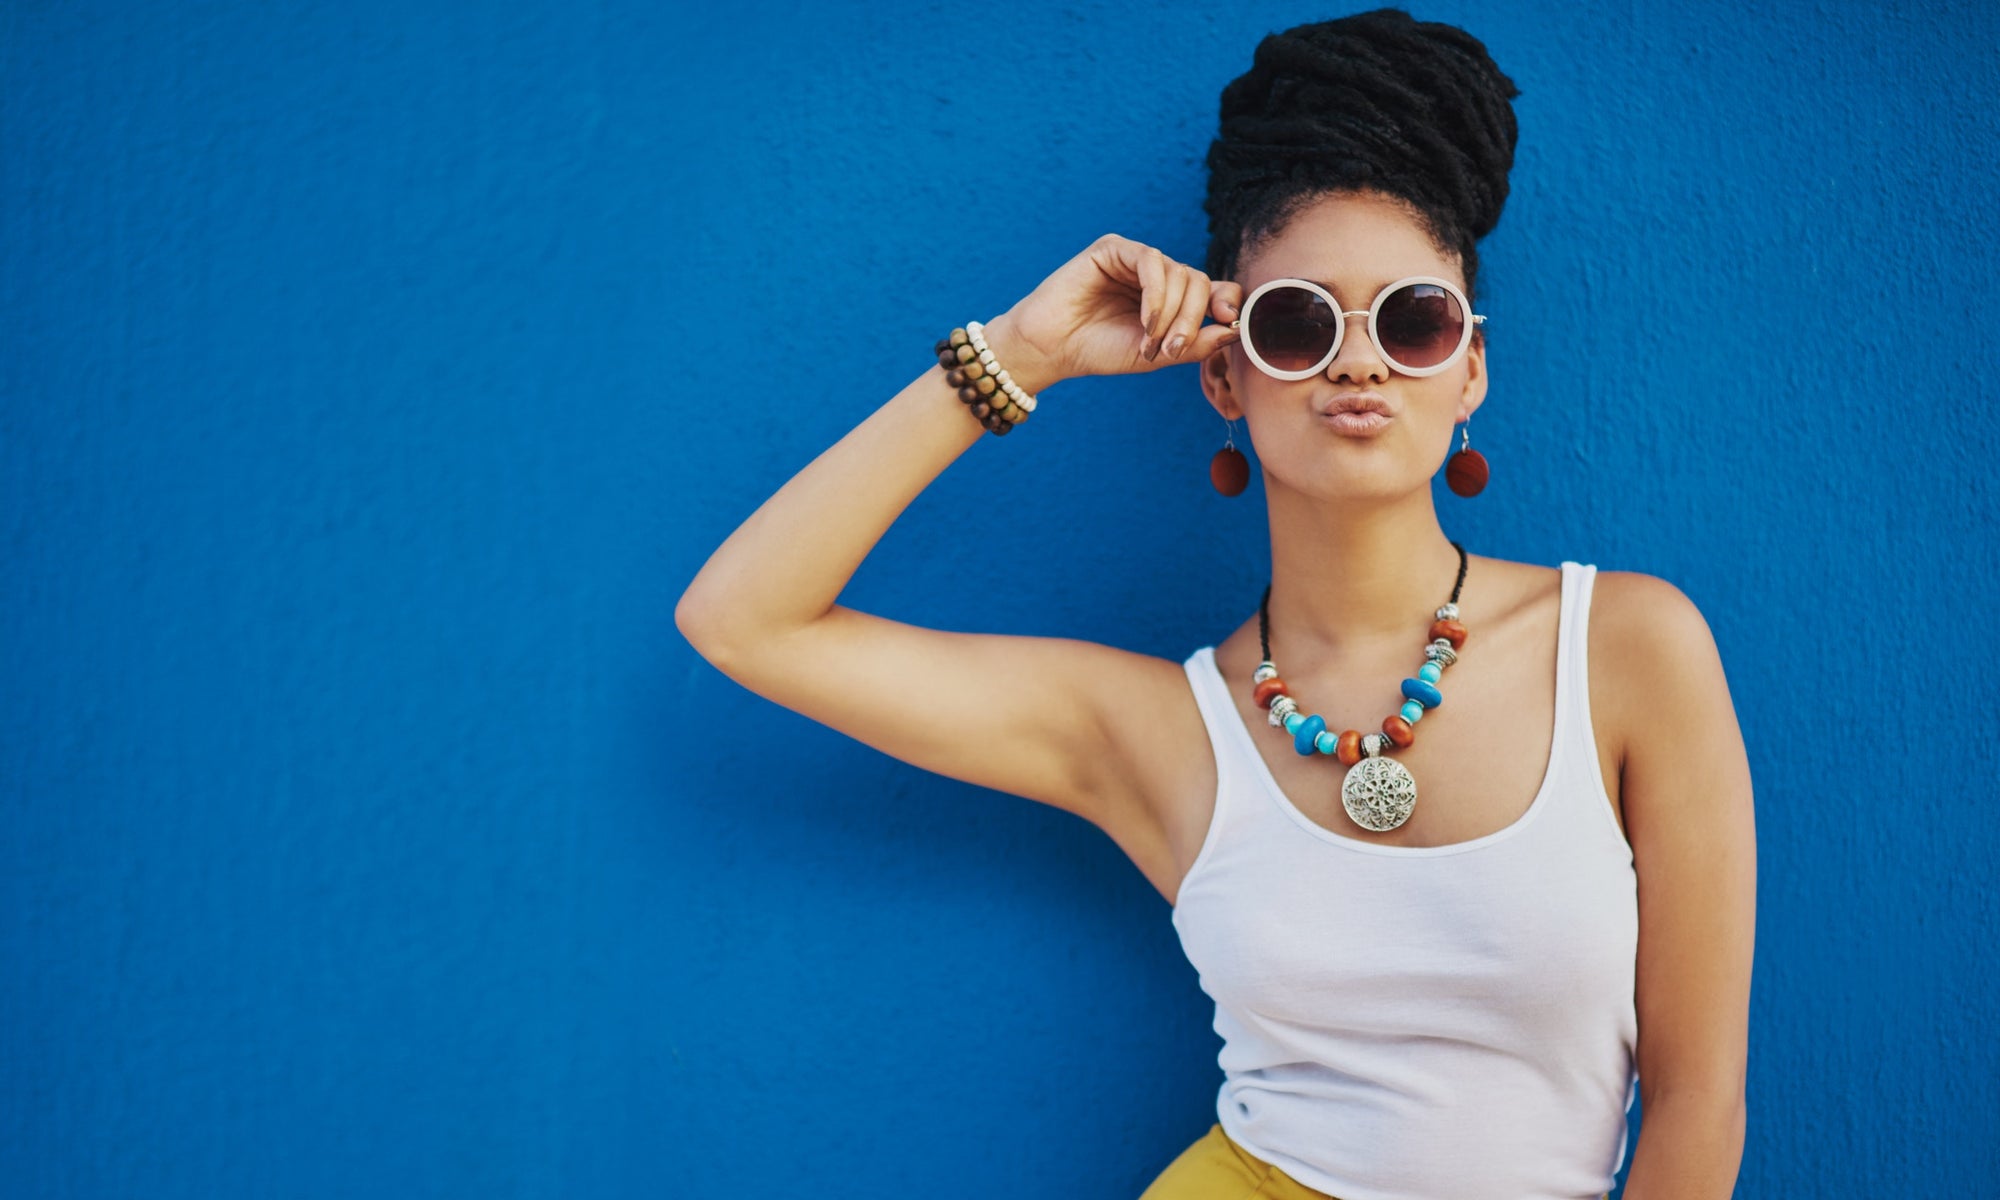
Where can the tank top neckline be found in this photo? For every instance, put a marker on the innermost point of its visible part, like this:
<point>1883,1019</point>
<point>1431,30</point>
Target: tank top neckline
<point>1239,733</point>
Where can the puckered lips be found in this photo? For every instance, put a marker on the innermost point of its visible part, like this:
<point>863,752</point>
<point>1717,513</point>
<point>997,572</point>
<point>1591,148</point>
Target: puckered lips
<point>1356,413</point>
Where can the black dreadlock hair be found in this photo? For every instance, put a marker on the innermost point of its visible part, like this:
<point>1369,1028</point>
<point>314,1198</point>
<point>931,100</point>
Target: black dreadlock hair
<point>1376,101</point>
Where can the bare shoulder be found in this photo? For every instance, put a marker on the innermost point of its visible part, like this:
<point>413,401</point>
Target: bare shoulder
<point>1642,623</point>
<point>1157,762</point>
<point>1654,662</point>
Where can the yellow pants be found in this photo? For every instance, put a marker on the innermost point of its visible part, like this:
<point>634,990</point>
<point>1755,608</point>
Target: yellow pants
<point>1216,1168</point>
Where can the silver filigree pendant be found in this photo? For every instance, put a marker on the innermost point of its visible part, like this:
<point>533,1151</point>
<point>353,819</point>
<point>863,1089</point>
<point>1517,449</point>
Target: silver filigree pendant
<point>1378,793</point>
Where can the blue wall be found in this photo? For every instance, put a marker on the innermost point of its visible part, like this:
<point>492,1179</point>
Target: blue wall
<point>376,376</point>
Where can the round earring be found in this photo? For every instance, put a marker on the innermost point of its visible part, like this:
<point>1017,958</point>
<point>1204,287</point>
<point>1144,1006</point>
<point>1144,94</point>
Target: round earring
<point>1467,472</point>
<point>1229,471</point>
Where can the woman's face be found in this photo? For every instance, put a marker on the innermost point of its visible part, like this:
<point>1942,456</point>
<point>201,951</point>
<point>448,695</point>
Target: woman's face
<point>1351,244</point>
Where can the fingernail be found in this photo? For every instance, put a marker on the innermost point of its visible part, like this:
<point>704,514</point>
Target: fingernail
<point>1174,347</point>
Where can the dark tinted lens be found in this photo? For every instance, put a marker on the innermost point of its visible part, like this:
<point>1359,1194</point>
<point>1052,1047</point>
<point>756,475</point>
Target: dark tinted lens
<point>1292,328</point>
<point>1420,324</point>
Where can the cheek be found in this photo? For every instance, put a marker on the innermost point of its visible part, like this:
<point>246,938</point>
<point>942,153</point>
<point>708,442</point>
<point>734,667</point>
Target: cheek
<point>1440,399</point>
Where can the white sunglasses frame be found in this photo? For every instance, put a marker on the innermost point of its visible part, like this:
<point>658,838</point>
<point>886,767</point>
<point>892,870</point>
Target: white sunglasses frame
<point>1340,331</point>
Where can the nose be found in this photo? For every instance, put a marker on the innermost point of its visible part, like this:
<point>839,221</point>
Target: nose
<point>1358,360</point>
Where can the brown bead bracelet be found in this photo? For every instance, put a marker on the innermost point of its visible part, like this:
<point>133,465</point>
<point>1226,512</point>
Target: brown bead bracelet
<point>982,383</point>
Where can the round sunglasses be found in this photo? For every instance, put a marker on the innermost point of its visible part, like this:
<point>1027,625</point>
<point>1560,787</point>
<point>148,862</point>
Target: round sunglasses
<point>1292,328</point>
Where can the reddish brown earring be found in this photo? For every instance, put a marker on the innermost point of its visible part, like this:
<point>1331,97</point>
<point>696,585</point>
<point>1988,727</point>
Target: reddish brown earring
<point>1229,471</point>
<point>1467,472</point>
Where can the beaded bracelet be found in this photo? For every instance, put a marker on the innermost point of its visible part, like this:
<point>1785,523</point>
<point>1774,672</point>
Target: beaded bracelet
<point>981,380</point>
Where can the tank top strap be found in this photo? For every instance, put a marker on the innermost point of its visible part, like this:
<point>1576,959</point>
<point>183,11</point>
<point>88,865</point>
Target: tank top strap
<point>1572,650</point>
<point>1235,779</point>
<point>1572,681</point>
<point>1576,736</point>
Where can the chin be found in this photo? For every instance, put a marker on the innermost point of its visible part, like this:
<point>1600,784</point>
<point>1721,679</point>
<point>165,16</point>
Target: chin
<point>1350,481</point>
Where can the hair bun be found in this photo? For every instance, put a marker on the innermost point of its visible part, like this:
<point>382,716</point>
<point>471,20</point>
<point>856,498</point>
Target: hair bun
<point>1417,109</point>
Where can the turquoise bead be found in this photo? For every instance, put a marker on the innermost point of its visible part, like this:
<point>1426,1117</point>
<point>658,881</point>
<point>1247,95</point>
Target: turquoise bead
<point>1307,730</point>
<point>1327,742</point>
<point>1293,722</point>
<point>1423,693</point>
<point>1412,711</point>
<point>1429,672</point>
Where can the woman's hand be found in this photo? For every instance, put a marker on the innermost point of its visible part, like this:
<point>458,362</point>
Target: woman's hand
<point>1118,308</point>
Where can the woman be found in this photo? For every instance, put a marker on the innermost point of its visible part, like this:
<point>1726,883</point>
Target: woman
<point>1447,942</point>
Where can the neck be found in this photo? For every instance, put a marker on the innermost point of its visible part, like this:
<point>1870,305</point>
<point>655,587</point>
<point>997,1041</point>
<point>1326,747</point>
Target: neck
<point>1353,577</point>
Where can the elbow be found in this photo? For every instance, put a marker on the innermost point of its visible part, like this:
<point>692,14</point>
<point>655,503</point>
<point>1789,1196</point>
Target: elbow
<point>726,630</point>
<point>696,622</point>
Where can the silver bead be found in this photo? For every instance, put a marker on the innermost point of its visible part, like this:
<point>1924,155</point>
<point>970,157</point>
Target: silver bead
<point>1441,652</point>
<point>1371,744</point>
<point>1447,612</point>
<point>1265,670</point>
<point>1282,707</point>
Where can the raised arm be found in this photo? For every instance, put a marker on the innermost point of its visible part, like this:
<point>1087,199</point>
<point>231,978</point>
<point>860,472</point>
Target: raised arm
<point>1024,715</point>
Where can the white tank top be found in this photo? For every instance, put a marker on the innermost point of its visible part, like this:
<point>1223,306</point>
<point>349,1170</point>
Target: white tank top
<point>1410,1023</point>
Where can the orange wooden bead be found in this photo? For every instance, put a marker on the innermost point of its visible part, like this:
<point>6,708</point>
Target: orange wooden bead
<point>1452,631</point>
<point>1399,730</point>
<point>1270,689</point>
<point>1348,748</point>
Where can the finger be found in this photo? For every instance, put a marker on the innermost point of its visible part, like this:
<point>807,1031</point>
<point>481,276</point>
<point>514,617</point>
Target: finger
<point>1118,258</point>
<point>1225,302</point>
<point>1211,339</point>
<point>1172,291</point>
<point>1187,322</point>
<point>1152,281</point>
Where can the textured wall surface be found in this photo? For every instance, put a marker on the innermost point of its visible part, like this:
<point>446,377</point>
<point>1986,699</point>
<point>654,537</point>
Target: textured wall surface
<point>376,376</point>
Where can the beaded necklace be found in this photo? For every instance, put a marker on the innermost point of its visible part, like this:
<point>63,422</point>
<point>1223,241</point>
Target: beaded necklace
<point>1378,793</point>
